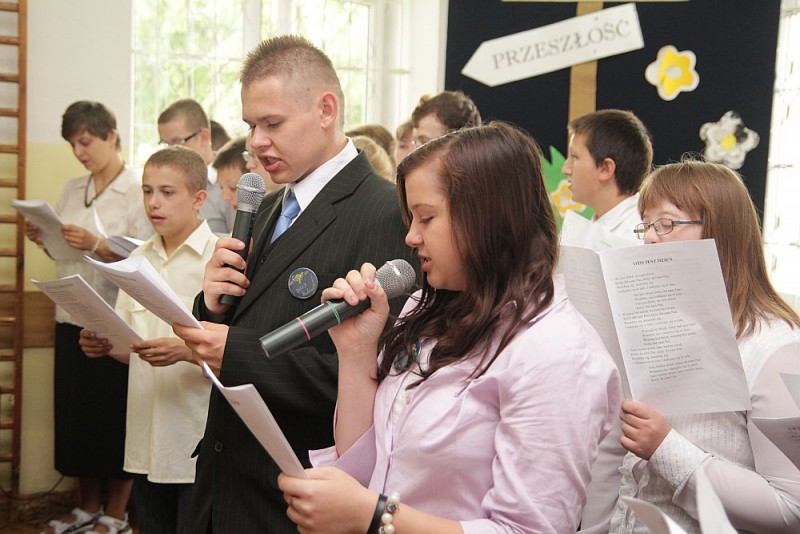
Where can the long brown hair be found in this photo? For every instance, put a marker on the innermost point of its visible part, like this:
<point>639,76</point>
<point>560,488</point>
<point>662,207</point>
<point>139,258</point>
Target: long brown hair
<point>505,233</point>
<point>716,195</point>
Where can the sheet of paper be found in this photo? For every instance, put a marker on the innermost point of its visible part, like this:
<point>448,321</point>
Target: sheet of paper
<point>651,515</point>
<point>585,287</point>
<point>40,213</point>
<point>784,432</point>
<point>138,278</point>
<point>246,402</point>
<point>122,245</point>
<point>793,385</point>
<point>82,302</point>
<point>674,326</point>
<point>711,513</point>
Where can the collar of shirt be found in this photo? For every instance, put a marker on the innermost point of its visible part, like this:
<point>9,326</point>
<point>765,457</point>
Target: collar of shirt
<point>311,185</point>
<point>118,184</point>
<point>212,174</point>
<point>620,213</point>
<point>196,241</point>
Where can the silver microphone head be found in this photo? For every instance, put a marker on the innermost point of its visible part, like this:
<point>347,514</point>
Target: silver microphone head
<point>396,277</point>
<point>250,192</point>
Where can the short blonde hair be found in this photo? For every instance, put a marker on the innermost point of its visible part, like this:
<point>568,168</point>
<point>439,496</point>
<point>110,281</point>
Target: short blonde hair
<point>185,160</point>
<point>376,155</point>
<point>297,59</point>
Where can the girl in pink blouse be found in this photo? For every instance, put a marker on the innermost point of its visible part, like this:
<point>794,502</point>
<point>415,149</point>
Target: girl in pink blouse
<point>484,410</point>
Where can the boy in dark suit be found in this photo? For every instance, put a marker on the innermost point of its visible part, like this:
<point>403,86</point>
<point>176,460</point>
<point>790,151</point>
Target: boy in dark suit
<point>337,213</point>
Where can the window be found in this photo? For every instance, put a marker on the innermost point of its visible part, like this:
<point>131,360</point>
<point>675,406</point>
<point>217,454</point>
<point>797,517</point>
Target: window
<point>194,49</point>
<point>782,218</point>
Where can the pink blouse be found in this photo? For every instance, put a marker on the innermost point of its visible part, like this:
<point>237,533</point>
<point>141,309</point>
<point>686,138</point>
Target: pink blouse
<point>509,451</point>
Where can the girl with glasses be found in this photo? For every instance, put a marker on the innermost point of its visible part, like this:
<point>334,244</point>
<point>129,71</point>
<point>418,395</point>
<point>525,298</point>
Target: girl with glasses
<point>759,487</point>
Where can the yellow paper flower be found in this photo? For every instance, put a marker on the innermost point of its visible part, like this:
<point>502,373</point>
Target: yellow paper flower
<point>562,198</point>
<point>728,140</point>
<point>673,72</point>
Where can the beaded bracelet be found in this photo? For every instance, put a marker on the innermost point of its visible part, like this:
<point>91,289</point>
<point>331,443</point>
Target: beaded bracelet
<point>392,505</point>
<point>380,506</point>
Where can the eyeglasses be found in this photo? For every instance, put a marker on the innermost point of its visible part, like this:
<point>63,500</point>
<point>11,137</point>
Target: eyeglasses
<point>180,142</point>
<point>661,226</point>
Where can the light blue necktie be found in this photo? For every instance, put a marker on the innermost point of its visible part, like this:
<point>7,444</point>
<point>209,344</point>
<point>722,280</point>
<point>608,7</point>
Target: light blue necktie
<point>290,210</point>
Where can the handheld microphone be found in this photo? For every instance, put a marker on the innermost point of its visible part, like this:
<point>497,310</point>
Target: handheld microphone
<point>395,277</point>
<point>249,194</point>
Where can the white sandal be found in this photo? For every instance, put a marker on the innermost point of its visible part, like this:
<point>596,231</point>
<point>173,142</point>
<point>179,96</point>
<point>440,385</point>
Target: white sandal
<point>83,522</point>
<point>114,525</point>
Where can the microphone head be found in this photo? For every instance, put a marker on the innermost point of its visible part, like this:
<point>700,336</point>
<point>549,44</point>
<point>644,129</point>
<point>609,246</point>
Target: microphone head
<point>250,192</point>
<point>396,277</point>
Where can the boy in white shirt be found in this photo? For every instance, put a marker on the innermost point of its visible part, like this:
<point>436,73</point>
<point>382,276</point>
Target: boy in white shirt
<point>167,393</point>
<point>610,153</point>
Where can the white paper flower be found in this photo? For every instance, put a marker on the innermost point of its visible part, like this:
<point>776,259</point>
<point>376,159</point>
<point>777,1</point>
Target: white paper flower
<point>673,72</point>
<point>728,141</point>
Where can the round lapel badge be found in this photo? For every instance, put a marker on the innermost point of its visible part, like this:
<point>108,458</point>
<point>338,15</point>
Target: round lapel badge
<point>303,283</point>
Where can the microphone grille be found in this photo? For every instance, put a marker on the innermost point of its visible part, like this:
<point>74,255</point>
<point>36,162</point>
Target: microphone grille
<point>396,277</point>
<point>250,192</point>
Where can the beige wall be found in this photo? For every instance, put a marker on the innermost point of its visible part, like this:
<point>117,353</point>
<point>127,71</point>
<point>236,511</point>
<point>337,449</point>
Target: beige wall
<point>77,50</point>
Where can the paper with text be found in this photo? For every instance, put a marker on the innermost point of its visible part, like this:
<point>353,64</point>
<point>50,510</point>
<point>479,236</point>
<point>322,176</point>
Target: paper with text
<point>40,213</point>
<point>784,433</point>
<point>81,301</point>
<point>138,278</point>
<point>246,402</point>
<point>672,320</point>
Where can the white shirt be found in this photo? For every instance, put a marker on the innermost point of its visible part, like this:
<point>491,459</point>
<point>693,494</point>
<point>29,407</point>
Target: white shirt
<point>307,189</point>
<point>613,230</point>
<point>167,406</point>
<point>758,486</point>
<point>218,214</point>
<point>119,207</point>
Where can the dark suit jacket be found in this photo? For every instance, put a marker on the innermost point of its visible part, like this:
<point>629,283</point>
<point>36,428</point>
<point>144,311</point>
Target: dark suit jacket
<point>355,218</point>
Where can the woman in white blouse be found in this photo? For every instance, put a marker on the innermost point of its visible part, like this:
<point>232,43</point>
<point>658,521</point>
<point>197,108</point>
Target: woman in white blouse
<point>90,393</point>
<point>758,486</point>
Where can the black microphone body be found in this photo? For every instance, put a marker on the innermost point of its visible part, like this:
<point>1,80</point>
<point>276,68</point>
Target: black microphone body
<point>249,194</point>
<point>396,277</point>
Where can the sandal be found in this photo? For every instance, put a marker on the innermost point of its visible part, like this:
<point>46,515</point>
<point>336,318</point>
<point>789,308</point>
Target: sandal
<point>83,522</point>
<point>114,525</point>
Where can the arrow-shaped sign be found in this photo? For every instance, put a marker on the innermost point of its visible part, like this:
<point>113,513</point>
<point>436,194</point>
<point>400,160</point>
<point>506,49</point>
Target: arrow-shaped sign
<point>556,46</point>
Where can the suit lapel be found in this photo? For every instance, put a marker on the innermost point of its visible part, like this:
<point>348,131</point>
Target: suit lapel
<point>306,229</point>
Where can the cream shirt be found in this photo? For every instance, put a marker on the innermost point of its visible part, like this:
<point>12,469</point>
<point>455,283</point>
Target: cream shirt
<point>167,406</point>
<point>119,207</point>
<point>758,486</point>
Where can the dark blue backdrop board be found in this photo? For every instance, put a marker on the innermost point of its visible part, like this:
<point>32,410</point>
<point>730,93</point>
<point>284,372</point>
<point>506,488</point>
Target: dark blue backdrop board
<point>734,41</point>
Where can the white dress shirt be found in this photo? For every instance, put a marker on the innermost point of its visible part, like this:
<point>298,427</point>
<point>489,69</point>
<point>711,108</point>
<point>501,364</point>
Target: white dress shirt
<point>167,406</point>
